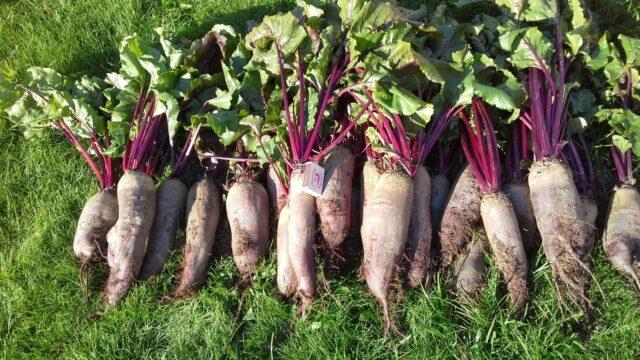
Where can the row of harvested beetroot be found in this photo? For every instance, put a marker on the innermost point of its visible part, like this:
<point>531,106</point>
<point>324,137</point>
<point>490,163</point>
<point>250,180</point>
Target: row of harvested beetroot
<point>347,104</point>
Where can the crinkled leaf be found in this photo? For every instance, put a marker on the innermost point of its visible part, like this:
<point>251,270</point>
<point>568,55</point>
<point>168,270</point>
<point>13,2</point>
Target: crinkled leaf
<point>168,105</point>
<point>311,8</point>
<point>626,127</point>
<point>599,55</point>
<point>582,103</point>
<point>270,149</point>
<point>230,78</point>
<point>539,10</point>
<point>532,45</point>
<point>349,10</point>
<point>251,89</point>
<point>506,96</point>
<point>397,100</point>
<point>174,55</point>
<point>375,14</point>
<point>575,42</point>
<point>631,47</point>
<point>578,14</point>
<point>224,99</point>
<point>253,122</point>
<point>282,29</point>
<point>225,124</point>
<point>615,68</point>
<point>622,144</point>
<point>402,54</point>
<point>44,78</point>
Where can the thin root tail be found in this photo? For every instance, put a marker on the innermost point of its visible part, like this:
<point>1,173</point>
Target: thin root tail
<point>85,272</point>
<point>390,325</point>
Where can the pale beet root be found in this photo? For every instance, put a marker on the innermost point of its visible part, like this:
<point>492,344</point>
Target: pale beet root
<point>471,267</point>
<point>248,214</point>
<point>521,200</point>
<point>460,215</point>
<point>589,216</point>
<point>417,254</point>
<point>302,232</point>
<point>127,238</point>
<point>99,214</point>
<point>203,214</point>
<point>440,187</point>
<point>334,205</point>
<point>385,228</point>
<point>286,277</point>
<point>277,192</point>
<point>503,233</point>
<point>557,207</point>
<point>370,177</point>
<point>171,198</point>
<point>621,238</point>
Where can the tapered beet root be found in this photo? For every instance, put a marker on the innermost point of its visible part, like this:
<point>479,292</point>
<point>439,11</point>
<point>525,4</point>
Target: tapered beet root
<point>440,188</point>
<point>203,214</point>
<point>621,238</point>
<point>248,213</point>
<point>302,232</point>
<point>385,227</point>
<point>127,238</point>
<point>521,200</point>
<point>334,206</point>
<point>286,277</point>
<point>557,207</point>
<point>98,216</point>
<point>370,177</point>
<point>503,233</point>
<point>418,248</point>
<point>171,200</point>
<point>460,215</point>
<point>471,267</point>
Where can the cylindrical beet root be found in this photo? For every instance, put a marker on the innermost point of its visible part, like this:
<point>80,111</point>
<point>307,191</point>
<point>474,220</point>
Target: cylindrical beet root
<point>302,231</point>
<point>171,198</point>
<point>99,214</point>
<point>621,239</point>
<point>418,248</point>
<point>370,177</point>
<point>286,278</point>
<point>248,213</point>
<point>460,215</point>
<point>127,238</point>
<point>440,187</point>
<point>558,210</point>
<point>277,192</point>
<point>334,206</point>
<point>471,267</point>
<point>521,200</point>
<point>385,227</point>
<point>503,233</point>
<point>203,214</point>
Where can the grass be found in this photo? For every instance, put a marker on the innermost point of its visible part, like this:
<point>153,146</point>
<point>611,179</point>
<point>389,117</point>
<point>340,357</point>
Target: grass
<point>44,184</point>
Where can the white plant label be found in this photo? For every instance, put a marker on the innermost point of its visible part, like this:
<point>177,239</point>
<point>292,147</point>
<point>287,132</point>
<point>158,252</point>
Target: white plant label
<point>313,179</point>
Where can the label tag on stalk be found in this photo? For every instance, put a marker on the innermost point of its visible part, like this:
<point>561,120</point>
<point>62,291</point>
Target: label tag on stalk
<point>313,179</point>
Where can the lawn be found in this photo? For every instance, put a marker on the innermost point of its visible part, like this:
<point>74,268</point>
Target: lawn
<point>44,184</point>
